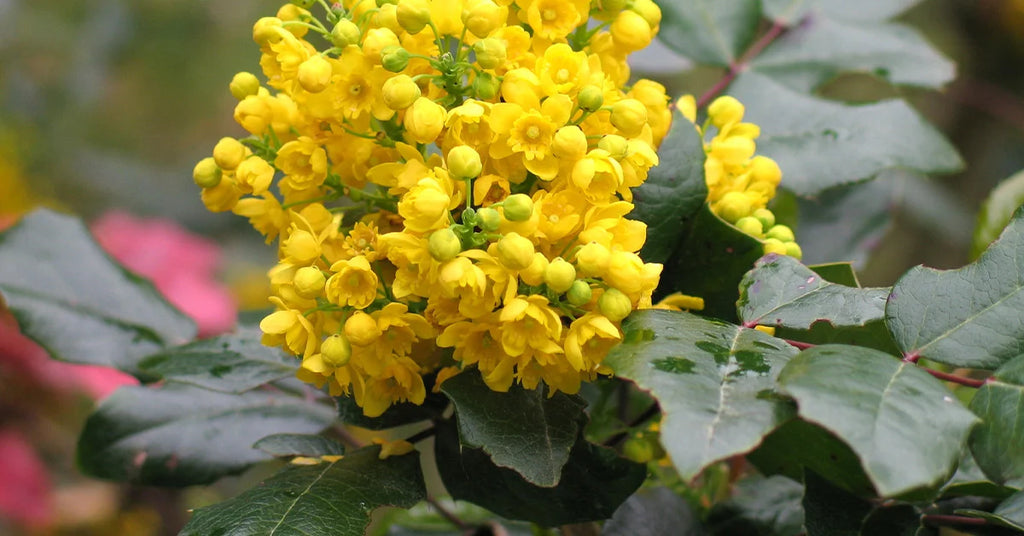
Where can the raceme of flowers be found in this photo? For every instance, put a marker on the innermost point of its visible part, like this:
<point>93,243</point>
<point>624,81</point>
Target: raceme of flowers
<point>740,184</point>
<point>448,184</point>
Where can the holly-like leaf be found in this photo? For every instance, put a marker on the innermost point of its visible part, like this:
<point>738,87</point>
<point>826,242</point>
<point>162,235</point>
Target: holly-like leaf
<point>840,273</point>
<point>845,222</point>
<point>761,505</point>
<point>830,510</point>
<point>653,512</point>
<point>710,261</point>
<point>523,429</point>
<point>970,480</point>
<point>287,445</point>
<point>820,48</point>
<point>178,434</point>
<point>791,11</point>
<point>232,363</point>
<point>820,144</point>
<point>1009,513</point>
<point>709,31</point>
<point>594,483</point>
<point>674,190</point>
<point>969,317</point>
<point>998,442</point>
<point>881,407</point>
<point>326,499</point>
<point>996,212</point>
<point>780,291</point>
<point>713,381</point>
<point>76,302</point>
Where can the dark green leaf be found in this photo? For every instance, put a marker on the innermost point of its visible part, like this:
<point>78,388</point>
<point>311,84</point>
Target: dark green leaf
<point>862,10</point>
<point>830,510</point>
<point>674,190</point>
<point>287,445</point>
<point>76,302</point>
<point>709,262</point>
<point>523,429</point>
<point>178,434</point>
<point>820,144</point>
<point>654,512</point>
<point>232,363</point>
<point>896,520</point>
<point>397,415</point>
<point>845,222</point>
<point>761,506</point>
<point>798,444</point>
<point>881,407</point>
<point>821,48</point>
<point>1009,513</point>
<point>594,483</point>
<point>970,480</point>
<point>840,273</point>
<point>998,442</point>
<point>713,381</point>
<point>326,499</point>
<point>709,31</point>
<point>969,317</point>
<point>996,212</point>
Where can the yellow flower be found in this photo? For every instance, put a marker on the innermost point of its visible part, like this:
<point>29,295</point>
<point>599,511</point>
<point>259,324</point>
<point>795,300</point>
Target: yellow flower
<point>303,162</point>
<point>254,175</point>
<point>425,206</point>
<point>400,381</point>
<point>588,341</point>
<point>353,283</point>
<point>528,322</point>
<point>264,213</point>
<point>554,19</point>
<point>289,328</point>
<point>561,69</point>
<point>424,120</point>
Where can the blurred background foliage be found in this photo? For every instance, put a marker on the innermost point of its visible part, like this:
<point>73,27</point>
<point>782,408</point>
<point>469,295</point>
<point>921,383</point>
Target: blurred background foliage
<point>108,104</point>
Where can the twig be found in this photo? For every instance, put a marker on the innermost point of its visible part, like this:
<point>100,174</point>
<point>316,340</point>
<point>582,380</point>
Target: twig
<point>945,376</point>
<point>422,434</point>
<point>799,344</point>
<point>740,65</point>
<point>447,514</point>
<point>944,520</point>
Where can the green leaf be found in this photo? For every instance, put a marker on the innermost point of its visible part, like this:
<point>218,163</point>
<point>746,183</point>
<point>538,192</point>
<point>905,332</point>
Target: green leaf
<point>76,302</point>
<point>970,480</point>
<point>673,192</point>
<point>178,434</point>
<point>821,48</point>
<point>709,31</point>
<point>820,144</point>
<point>287,445</point>
<point>327,499</point>
<point>840,273</point>
<point>896,520</point>
<point>653,512</point>
<point>594,483</point>
<point>881,407</point>
<point>845,222</point>
<point>523,429</point>
<point>780,291</point>
<point>862,10</point>
<point>1009,513</point>
<point>761,505</point>
<point>996,212</point>
<point>998,442</point>
<point>969,317</point>
<point>232,363</point>
<point>713,381</point>
<point>709,262</point>
<point>830,510</point>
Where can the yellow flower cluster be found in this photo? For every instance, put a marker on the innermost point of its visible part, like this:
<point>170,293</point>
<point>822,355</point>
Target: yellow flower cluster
<point>740,184</point>
<point>448,182</point>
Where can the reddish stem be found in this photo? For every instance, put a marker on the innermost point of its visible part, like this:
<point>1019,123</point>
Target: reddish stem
<point>740,65</point>
<point>911,357</point>
<point>799,344</point>
<point>945,376</point>
<point>943,520</point>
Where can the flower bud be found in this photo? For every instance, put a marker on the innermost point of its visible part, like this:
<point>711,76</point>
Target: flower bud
<point>464,162</point>
<point>206,174</point>
<point>290,12</point>
<point>638,449</point>
<point>444,245</point>
<point>315,74</point>
<point>560,275</point>
<point>361,329</point>
<point>335,350</point>
<point>413,15</point>
<point>244,84</point>
<point>630,31</point>
<point>569,142</point>
<point>309,282</point>
<point>483,18</point>
<point>424,120</point>
<point>345,33</point>
<point>766,217</point>
<point>579,293</point>
<point>774,245</point>
<point>518,207</point>
<point>725,110</point>
<point>614,304</point>
<point>629,116</point>
<point>648,10</point>
<point>533,275</point>
<point>228,153</point>
<point>590,98</point>
<point>733,206</point>
<point>267,30</point>
<point>485,86</point>
<point>592,259</point>
<point>781,232</point>
<point>793,250</point>
<point>750,225</point>
<point>376,41</point>
<point>400,92</point>
<point>394,58</point>
<point>490,53</point>
<point>611,6</point>
<point>616,145</point>
<point>304,4</point>
<point>515,252</point>
<point>489,219</point>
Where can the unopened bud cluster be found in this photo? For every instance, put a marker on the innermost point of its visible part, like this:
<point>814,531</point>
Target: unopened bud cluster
<point>446,175</point>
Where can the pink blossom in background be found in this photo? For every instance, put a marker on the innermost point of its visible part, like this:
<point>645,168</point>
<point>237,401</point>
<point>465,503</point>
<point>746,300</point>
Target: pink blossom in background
<point>25,490</point>
<point>180,264</point>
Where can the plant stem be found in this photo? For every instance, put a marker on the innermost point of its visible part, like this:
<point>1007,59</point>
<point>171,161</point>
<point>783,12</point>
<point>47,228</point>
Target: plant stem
<point>945,376</point>
<point>944,520</point>
<point>643,417</point>
<point>422,434</point>
<point>741,64</point>
<point>447,514</point>
<point>799,344</point>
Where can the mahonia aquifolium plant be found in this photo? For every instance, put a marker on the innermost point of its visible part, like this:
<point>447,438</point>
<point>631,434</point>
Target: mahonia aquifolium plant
<point>456,175</point>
